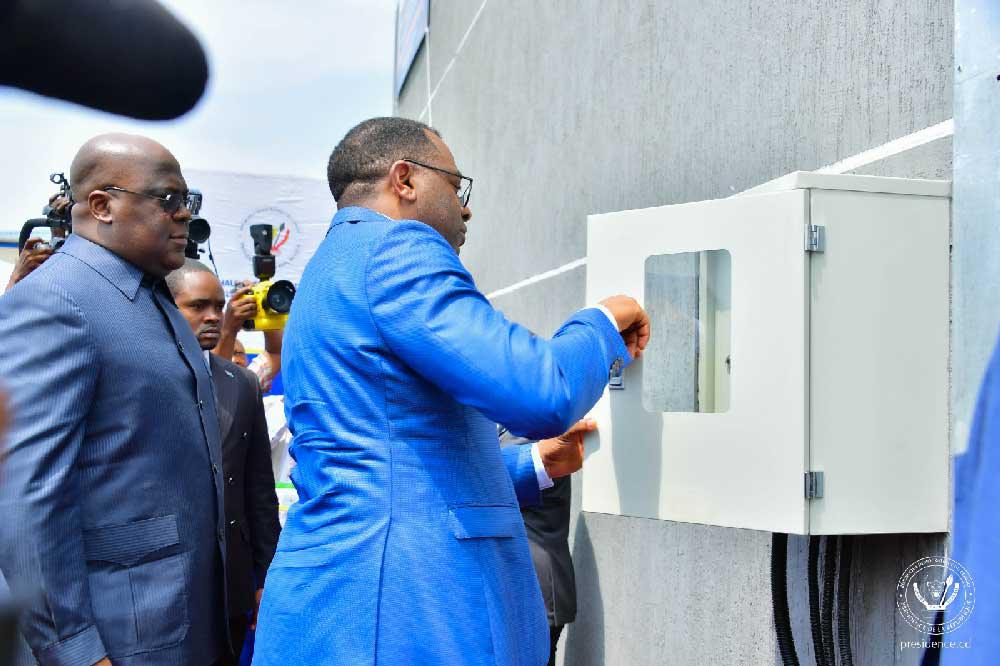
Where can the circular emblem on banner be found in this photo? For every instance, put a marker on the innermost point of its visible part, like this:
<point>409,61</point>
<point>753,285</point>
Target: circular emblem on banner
<point>285,238</point>
<point>935,595</point>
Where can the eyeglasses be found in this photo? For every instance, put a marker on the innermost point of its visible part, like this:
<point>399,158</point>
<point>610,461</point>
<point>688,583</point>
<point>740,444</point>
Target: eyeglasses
<point>171,203</point>
<point>464,190</point>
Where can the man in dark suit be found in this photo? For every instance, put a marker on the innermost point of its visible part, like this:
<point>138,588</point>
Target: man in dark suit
<point>251,503</point>
<point>547,525</point>
<point>112,489</point>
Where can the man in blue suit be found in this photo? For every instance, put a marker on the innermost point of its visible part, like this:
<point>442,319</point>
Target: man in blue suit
<point>407,545</point>
<point>975,536</point>
<point>111,491</point>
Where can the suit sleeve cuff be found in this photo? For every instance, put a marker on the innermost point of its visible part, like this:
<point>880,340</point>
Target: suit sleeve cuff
<point>616,345</point>
<point>85,647</point>
<point>544,482</point>
<point>607,313</point>
<point>521,470</point>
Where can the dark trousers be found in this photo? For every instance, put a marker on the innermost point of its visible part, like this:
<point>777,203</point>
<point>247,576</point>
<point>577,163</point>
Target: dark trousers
<point>553,639</point>
<point>237,634</point>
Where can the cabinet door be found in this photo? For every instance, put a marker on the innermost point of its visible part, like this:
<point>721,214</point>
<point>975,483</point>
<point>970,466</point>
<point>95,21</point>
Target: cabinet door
<point>710,425</point>
<point>879,363</point>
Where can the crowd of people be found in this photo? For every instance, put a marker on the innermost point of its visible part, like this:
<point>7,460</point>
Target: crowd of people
<point>141,520</point>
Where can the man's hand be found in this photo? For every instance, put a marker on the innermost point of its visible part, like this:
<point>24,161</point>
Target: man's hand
<point>238,310</point>
<point>103,662</point>
<point>563,455</point>
<point>31,257</point>
<point>59,203</point>
<point>256,609</point>
<point>633,322</point>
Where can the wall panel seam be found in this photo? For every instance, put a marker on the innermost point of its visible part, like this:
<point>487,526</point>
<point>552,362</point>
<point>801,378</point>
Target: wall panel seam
<point>889,149</point>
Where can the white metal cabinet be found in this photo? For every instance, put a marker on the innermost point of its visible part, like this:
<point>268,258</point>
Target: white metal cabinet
<point>835,359</point>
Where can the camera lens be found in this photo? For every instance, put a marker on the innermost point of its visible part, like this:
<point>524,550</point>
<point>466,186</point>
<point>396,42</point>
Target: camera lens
<point>279,297</point>
<point>198,230</point>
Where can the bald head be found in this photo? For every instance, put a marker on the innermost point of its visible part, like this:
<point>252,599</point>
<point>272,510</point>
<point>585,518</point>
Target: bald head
<point>110,159</point>
<point>175,279</point>
<point>121,184</point>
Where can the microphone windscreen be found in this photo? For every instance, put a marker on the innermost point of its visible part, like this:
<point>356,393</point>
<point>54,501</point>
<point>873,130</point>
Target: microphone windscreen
<point>130,57</point>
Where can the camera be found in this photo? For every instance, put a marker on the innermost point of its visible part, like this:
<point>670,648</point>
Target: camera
<point>274,299</point>
<point>59,220</point>
<point>198,227</point>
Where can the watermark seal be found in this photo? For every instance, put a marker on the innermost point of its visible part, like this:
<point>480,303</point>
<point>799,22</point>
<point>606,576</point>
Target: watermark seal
<point>935,595</point>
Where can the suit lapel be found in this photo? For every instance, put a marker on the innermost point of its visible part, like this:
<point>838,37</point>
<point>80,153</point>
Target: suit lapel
<point>226,396</point>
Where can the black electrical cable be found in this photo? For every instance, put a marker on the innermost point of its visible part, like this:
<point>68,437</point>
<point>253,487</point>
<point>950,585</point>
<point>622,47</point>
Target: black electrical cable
<point>211,258</point>
<point>844,602</point>
<point>814,616</point>
<point>779,599</point>
<point>932,655</point>
<point>826,610</point>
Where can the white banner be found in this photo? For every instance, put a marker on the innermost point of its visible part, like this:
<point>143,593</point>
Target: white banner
<point>298,209</point>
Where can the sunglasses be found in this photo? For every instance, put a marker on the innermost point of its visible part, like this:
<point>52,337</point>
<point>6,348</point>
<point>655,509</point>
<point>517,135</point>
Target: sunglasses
<point>171,203</point>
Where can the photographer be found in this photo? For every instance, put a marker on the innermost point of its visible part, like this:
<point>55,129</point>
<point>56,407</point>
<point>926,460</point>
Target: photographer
<point>35,251</point>
<point>240,308</point>
<point>33,255</point>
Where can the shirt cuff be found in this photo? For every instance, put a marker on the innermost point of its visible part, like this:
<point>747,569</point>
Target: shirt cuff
<point>607,313</point>
<point>544,482</point>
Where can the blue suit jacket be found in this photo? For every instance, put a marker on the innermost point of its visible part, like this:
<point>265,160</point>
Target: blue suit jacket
<point>111,490</point>
<point>976,531</point>
<point>407,545</point>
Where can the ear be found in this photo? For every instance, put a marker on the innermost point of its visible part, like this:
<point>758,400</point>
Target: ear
<point>401,181</point>
<point>99,203</point>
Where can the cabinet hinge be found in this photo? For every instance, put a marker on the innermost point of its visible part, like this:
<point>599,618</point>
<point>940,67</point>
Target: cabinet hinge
<point>815,238</point>
<point>814,485</point>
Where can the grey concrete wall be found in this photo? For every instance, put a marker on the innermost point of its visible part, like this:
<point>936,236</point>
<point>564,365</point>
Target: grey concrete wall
<point>976,271</point>
<point>564,108</point>
<point>670,371</point>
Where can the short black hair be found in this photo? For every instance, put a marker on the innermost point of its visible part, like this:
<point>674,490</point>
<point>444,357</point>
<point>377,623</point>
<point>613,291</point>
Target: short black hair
<point>175,278</point>
<point>368,150</point>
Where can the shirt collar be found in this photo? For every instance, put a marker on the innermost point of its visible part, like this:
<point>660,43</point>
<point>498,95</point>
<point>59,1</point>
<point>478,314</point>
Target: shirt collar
<point>357,214</point>
<point>125,276</point>
<point>208,360</point>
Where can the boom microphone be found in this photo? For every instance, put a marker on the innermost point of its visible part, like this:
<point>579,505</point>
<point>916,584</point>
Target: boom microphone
<point>130,57</point>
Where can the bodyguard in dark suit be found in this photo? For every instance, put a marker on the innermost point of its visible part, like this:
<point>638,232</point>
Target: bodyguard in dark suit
<point>547,525</point>
<point>112,489</point>
<point>251,504</point>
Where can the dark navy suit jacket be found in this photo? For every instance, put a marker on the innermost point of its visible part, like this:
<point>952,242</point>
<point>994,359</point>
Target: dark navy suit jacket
<point>251,504</point>
<point>547,524</point>
<point>111,491</point>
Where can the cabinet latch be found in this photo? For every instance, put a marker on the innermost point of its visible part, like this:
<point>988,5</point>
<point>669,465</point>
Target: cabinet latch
<point>815,238</point>
<point>616,379</point>
<point>814,485</point>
